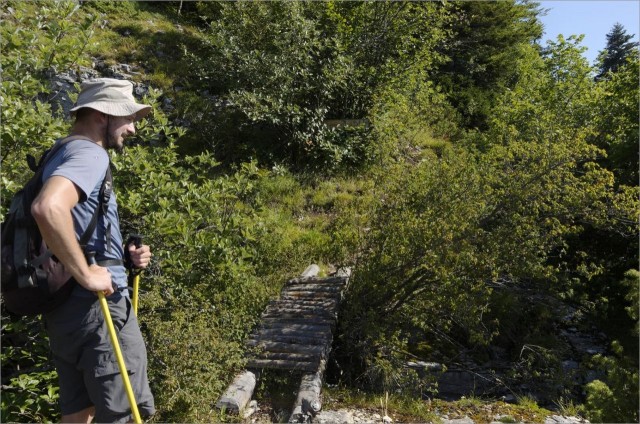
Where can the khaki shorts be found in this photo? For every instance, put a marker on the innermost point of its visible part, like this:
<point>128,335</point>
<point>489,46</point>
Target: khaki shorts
<point>86,363</point>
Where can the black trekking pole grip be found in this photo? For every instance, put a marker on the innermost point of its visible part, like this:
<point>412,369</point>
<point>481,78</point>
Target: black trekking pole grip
<point>91,258</point>
<point>134,274</point>
<point>136,240</point>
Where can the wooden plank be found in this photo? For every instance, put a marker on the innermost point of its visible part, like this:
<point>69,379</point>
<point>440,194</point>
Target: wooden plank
<point>294,331</point>
<point>268,346</point>
<point>309,309</point>
<point>313,288</point>
<point>296,319</point>
<point>318,304</point>
<point>282,365</point>
<point>307,341</point>
<point>300,357</point>
<point>314,280</point>
<point>316,284</point>
<point>311,298</point>
<point>308,303</point>
<point>239,392</point>
<point>299,327</point>
<point>308,401</point>
<point>306,294</point>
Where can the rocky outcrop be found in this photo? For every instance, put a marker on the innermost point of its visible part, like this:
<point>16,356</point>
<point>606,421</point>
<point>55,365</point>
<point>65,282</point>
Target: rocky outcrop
<point>63,84</point>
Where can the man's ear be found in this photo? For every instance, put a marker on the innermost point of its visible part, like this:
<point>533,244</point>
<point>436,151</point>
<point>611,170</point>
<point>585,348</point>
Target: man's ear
<point>100,118</point>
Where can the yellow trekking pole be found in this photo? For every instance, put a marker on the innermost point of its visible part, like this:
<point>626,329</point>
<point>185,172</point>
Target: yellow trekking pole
<point>116,347</point>
<point>121,364</point>
<point>136,239</point>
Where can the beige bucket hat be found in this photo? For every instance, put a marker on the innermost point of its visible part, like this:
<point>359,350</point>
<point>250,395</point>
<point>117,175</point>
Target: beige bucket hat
<point>110,96</point>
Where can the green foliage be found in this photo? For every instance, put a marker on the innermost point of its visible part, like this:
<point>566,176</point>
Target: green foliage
<point>29,382</point>
<point>618,50</point>
<point>449,223</point>
<point>384,40</point>
<point>282,69</point>
<point>279,73</point>
<point>38,41</point>
<point>486,38</point>
<point>616,398</point>
<point>617,121</point>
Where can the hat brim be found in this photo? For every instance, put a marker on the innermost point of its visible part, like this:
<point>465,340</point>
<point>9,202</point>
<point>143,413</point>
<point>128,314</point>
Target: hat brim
<point>117,109</point>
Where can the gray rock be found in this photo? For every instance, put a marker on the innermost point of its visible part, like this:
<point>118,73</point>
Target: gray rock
<point>330,417</point>
<point>465,420</point>
<point>561,419</point>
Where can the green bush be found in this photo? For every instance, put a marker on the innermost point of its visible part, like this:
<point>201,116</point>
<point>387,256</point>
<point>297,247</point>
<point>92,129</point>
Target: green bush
<point>616,398</point>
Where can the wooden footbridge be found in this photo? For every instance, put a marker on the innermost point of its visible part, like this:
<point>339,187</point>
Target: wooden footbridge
<point>295,333</point>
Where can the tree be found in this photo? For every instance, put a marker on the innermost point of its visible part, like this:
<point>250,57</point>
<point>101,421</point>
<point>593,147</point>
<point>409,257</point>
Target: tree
<point>486,39</point>
<point>618,49</point>
<point>617,121</point>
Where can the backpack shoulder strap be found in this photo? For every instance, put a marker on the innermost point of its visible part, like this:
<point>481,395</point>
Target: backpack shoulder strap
<point>101,209</point>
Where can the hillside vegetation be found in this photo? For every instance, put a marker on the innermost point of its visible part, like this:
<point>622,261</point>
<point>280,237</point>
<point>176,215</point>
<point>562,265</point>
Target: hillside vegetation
<point>461,169</point>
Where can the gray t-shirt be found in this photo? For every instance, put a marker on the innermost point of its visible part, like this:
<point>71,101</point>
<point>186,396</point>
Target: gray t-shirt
<point>85,163</point>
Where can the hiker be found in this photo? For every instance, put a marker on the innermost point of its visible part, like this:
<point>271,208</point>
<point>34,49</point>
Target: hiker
<point>90,382</point>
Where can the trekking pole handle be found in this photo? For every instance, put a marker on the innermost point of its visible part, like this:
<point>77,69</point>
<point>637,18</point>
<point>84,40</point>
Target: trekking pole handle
<point>91,258</point>
<point>136,240</point>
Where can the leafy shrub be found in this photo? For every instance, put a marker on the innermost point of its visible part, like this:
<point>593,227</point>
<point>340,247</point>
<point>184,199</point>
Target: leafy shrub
<point>616,398</point>
<point>38,41</point>
<point>29,380</point>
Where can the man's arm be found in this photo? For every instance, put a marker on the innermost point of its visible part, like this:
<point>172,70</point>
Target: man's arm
<point>52,212</point>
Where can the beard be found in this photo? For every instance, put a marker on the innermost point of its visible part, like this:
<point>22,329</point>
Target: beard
<point>113,142</point>
<point>113,139</point>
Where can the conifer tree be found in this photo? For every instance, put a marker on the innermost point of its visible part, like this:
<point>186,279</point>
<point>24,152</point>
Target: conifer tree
<point>618,48</point>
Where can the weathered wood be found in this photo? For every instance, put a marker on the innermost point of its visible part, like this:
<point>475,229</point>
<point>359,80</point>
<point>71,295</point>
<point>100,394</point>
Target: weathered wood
<point>261,346</point>
<point>313,288</point>
<point>239,392</point>
<point>308,294</point>
<point>295,334</point>
<point>265,333</point>
<point>309,280</point>
<point>311,299</point>
<point>282,365</point>
<point>291,339</point>
<point>302,327</point>
<point>302,357</point>
<point>302,311</point>
<point>317,306</point>
<point>308,401</point>
<point>296,319</point>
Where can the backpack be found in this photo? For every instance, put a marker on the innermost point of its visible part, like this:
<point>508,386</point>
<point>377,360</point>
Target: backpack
<point>33,281</point>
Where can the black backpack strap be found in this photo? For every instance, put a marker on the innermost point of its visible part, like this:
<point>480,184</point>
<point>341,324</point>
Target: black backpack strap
<point>101,209</point>
<point>104,196</point>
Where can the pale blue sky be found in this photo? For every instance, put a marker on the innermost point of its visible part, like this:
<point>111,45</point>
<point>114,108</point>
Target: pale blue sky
<point>593,18</point>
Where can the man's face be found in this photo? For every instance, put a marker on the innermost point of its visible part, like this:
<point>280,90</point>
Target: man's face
<point>119,128</point>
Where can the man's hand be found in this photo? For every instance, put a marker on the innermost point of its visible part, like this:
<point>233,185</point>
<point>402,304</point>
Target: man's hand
<point>141,256</point>
<point>98,280</point>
